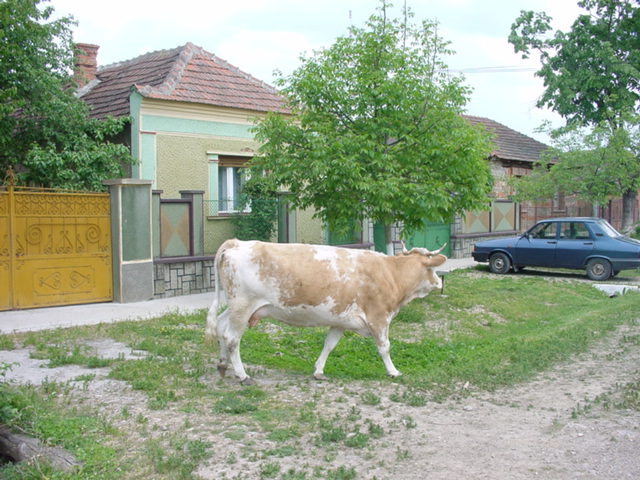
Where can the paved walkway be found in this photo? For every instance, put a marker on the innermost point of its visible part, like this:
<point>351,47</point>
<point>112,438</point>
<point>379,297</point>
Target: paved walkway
<point>95,313</point>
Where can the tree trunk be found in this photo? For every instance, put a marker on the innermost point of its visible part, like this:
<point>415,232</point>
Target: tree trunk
<point>20,448</point>
<point>629,200</point>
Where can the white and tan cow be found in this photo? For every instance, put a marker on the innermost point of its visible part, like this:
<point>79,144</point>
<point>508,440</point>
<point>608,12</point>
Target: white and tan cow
<point>314,285</point>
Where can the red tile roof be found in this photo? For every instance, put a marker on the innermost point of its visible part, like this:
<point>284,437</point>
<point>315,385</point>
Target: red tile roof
<point>183,74</point>
<point>510,145</point>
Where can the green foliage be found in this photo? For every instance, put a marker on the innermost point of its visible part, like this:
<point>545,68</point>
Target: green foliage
<point>592,78</point>
<point>45,131</point>
<point>261,222</point>
<point>375,130</point>
<point>9,411</point>
<point>81,160</point>
<point>594,164</point>
<point>591,73</point>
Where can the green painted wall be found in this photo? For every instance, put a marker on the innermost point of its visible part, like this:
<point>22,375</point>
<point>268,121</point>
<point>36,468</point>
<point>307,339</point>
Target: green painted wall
<point>183,164</point>
<point>195,127</point>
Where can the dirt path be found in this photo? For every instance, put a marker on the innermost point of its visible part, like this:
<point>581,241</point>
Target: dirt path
<point>551,428</point>
<point>544,429</point>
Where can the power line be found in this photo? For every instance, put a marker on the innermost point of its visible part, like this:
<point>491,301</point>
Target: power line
<point>506,69</point>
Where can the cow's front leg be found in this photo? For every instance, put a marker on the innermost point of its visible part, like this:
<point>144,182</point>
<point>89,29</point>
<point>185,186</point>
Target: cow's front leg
<point>382,341</point>
<point>333,337</point>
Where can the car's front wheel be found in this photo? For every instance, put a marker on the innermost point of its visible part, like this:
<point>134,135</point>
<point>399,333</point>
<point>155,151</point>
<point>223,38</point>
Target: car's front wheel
<point>598,269</point>
<point>499,263</point>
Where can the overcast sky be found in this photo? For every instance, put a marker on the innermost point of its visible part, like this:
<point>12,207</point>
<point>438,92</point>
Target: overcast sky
<point>260,36</point>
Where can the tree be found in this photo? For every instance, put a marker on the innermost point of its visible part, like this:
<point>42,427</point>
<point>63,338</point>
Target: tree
<point>592,79</point>
<point>260,223</point>
<point>375,130</point>
<point>46,133</point>
<point>593,163</point>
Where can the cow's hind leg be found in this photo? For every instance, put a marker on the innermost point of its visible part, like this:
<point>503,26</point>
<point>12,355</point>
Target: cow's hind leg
<point>221,326</point>
<point>333,337</point>
<point>237,324</point>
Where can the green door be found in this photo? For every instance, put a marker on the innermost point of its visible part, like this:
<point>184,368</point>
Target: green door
<point>433,236</point>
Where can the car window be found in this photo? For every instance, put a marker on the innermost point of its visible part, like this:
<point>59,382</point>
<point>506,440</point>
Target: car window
<point>608,230</point>
<point>574,231</point>
<point>544,230</point>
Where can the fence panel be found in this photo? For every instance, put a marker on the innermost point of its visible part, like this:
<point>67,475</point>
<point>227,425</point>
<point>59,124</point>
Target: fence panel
<point>176,237</point>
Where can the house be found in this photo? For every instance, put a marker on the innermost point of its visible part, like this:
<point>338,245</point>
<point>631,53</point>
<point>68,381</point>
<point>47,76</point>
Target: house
<point>191,115</point>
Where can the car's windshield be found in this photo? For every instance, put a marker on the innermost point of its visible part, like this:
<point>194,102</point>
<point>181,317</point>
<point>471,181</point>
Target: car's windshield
<point>608,230</point>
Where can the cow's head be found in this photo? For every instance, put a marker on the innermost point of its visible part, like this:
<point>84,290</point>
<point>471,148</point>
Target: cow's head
<point>429,260</point>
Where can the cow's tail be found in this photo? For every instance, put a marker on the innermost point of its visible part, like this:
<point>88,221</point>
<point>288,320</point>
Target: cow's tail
<point>219,301</point>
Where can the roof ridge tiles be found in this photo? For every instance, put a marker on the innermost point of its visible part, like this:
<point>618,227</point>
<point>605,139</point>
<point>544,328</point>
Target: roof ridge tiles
<point>138,59</point>
<point>172,80</point>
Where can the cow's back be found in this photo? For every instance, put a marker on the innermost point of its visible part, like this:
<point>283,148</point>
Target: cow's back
<point>323,281</point>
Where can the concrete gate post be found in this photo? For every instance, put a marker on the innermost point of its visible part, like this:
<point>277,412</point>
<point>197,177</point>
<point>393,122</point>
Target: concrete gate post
<point>131,235</point>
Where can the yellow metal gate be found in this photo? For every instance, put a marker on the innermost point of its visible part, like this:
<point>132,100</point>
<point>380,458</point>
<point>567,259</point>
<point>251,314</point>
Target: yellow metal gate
<point>55,248</point>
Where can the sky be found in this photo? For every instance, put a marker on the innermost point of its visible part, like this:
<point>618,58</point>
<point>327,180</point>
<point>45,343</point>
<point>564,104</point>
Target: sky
<point>260,36</point>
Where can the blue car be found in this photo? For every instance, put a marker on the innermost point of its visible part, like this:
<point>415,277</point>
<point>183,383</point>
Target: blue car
<point>574,243</point>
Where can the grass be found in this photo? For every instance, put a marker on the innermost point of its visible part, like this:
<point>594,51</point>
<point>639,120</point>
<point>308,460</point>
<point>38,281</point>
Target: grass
<point>487,331</point>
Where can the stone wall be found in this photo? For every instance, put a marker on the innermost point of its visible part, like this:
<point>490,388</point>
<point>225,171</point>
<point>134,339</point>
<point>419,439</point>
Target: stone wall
<point>183,276</point>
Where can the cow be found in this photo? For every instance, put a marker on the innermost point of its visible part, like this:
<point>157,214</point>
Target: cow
<point>314,285</point>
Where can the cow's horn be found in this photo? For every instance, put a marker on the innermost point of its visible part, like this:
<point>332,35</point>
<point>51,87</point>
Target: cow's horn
<point>404,247</point>
<point>438,251</point>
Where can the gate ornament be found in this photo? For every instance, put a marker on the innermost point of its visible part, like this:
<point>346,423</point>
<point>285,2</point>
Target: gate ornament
<point>10,179</point>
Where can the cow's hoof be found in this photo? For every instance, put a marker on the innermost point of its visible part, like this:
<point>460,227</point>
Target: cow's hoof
<point>248,382</point>
<point>222,370</point>
<point>395,375</point>
<point>320,377</point>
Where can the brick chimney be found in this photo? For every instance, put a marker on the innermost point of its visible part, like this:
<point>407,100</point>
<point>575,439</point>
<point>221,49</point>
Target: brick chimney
<point>86,64</point>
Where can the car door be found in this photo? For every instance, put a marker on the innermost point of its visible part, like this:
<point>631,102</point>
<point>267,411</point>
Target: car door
<point>538,246</point>
<point>575,243</point>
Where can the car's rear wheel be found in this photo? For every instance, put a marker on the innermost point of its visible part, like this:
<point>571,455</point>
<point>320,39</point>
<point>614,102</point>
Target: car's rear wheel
<point>598,269</point>
<point>499,263</point>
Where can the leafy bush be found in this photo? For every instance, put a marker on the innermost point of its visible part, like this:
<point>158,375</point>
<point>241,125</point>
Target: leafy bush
<point>261,222</point>
<point>8,409</point>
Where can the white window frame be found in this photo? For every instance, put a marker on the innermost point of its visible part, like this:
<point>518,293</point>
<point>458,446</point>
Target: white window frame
<point>228,175</point>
